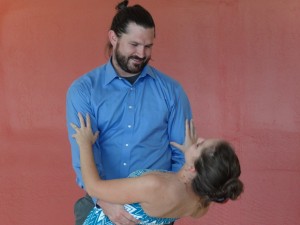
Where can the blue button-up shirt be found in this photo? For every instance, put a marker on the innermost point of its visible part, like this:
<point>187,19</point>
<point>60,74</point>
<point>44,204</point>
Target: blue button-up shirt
<point>136,122</point>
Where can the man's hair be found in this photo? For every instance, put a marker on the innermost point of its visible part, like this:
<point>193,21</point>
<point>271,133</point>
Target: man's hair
<point>131,14</point>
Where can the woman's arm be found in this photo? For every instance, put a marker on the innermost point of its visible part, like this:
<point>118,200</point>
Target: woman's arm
<point>121,191</point>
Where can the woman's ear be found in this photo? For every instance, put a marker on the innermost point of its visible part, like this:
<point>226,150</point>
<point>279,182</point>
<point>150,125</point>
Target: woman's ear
<point>192,169</point>
<point>112,38</point>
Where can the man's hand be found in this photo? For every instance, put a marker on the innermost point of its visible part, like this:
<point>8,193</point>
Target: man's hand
<point>117,214</point>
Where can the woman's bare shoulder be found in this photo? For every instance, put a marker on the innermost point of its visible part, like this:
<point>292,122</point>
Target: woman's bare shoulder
<point>154,179</point>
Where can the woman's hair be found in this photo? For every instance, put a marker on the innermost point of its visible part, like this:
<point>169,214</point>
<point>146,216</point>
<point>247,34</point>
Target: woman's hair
<point>131,14</point>
<point>218,171</point>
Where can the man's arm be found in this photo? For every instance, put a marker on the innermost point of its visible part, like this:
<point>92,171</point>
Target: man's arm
<point>78,100</point>
<point>180,112</point>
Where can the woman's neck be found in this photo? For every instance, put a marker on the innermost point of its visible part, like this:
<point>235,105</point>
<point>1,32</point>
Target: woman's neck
<point>186,175</point>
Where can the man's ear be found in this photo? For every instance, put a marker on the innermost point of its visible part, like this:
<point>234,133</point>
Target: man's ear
<point>112,37</point>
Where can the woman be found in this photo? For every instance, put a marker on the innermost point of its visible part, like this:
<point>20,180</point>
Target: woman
<point>210,174</point>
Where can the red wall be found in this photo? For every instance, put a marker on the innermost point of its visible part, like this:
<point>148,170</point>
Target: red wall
<point>237,59</point>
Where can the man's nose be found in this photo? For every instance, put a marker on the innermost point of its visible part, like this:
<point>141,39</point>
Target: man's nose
<point>141,52</point>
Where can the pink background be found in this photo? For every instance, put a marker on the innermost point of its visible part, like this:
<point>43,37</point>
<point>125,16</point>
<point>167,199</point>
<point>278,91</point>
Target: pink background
<point>238,60</point>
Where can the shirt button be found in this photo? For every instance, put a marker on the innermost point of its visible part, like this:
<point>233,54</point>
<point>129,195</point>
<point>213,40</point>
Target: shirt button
<point>126,145</point>
<point>129,126</point>
<point>124,164</point>
<point>130,107</point>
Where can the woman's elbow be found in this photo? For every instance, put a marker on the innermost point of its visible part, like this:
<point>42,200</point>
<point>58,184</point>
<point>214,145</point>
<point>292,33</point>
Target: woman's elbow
<point>90,190</point>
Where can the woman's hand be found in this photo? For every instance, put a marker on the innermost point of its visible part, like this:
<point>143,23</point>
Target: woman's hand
<point>190,136</point>
<point>84,134</point>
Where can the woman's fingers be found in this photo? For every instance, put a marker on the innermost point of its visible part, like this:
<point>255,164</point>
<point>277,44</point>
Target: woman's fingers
<point>193,130</point>
<point>88,120</point>
<point>96,135</point>
<point>187,128</point>
<point>82,124</point>
<point>84,132</point>
<point>73,126</point>
<point>176,145</point>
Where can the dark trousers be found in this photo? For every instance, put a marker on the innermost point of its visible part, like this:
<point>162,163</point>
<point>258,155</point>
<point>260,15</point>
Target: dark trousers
<point>82,208</point>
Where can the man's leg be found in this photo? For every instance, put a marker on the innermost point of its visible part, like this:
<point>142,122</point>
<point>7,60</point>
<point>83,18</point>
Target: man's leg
<point>82,208</point>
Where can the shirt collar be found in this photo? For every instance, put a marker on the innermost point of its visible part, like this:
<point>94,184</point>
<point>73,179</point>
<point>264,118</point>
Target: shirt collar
<point>111,74</point>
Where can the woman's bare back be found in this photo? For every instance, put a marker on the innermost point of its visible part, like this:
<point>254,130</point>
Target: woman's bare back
<point>171,198</point>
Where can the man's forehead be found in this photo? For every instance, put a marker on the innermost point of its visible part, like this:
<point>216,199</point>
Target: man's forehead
<point>143,35</point>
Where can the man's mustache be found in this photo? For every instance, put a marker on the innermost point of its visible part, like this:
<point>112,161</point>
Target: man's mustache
<point>137,58</point>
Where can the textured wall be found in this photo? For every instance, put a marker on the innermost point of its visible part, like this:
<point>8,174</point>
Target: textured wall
<point>237,60</point>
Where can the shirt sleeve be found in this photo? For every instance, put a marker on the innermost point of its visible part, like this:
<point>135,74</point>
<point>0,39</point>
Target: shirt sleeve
<point>78,99</point>
<point>180,112</point>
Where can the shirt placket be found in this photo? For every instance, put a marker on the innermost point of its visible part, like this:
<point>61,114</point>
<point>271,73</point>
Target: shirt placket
<point>128,134</point>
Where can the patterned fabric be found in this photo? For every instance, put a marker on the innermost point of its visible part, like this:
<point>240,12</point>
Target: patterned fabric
<point>97,216</point>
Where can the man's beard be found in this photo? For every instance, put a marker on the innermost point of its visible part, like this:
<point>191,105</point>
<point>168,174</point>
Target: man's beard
<point>132,68</point>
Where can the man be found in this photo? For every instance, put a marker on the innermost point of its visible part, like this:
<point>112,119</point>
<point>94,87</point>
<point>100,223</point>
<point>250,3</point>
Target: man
<point>137,109</point>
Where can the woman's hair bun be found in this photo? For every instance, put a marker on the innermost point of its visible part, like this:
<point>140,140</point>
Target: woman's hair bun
<point>233,188</point>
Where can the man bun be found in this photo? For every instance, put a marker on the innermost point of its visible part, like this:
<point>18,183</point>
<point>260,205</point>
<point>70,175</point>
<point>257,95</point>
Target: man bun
<point>122,5</point>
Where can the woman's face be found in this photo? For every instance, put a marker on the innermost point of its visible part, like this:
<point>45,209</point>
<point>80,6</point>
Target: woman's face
<point>193,153</point>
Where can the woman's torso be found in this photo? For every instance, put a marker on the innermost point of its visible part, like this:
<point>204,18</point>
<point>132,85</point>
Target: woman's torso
<point>172,200</point>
